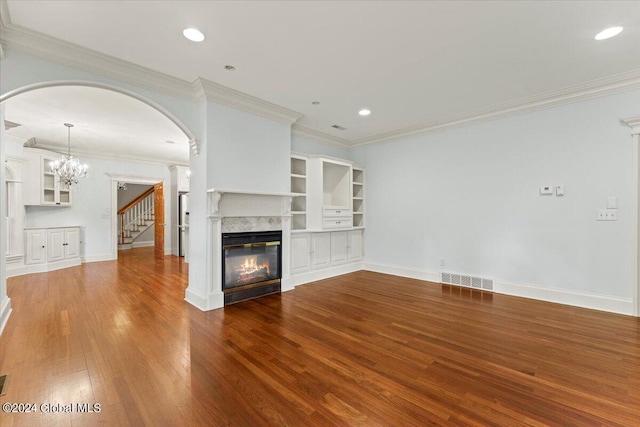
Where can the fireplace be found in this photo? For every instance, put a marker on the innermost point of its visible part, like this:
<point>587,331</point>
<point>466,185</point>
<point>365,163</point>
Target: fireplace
<point>251,264</point>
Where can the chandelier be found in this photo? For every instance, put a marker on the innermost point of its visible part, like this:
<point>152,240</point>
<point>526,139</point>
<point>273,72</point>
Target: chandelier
<point>68,168</point>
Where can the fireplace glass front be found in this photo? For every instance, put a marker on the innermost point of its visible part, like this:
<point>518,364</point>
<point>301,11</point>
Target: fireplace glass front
<point>251,264</point>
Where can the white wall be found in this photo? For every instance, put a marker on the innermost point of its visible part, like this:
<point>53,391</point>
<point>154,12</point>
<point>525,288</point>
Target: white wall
<point>304,145</point>
<point>246,152</point>
<point>91,205</point>
<point>470,196</point>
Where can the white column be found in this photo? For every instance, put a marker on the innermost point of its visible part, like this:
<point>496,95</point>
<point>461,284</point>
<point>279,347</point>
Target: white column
<point>287,280</point>
<point>214,265</point>
<point>5,301</point>
<point>634,124</point>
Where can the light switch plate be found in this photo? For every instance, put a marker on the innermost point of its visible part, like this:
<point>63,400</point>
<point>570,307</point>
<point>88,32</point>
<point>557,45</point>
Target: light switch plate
<point>559,190</point>
<point>612,203</point>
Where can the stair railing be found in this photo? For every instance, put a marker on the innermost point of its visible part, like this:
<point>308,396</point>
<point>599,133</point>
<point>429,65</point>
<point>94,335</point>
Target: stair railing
<point>135,214</point>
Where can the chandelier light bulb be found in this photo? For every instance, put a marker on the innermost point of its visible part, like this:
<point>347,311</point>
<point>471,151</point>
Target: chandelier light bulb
<point>68,168</point>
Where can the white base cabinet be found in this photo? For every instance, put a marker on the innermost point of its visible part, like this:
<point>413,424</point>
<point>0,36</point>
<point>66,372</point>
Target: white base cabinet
<point>52,248</point>
<point>325,250</point>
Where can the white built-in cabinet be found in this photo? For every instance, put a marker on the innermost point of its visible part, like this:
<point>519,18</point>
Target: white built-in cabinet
<point>299,189</point>
<point>319,250</point>
<point>36,246</point>
<point>54,248</point>
<point>357,199</point>
<point>327,213</point>
<point>328,194</point>
<point>40,186</point>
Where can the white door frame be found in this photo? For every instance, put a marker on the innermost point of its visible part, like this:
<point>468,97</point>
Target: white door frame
<point>114,203</point>
<point>634,124</point>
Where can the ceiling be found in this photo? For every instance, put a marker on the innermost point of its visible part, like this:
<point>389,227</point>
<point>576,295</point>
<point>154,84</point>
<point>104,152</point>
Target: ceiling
<point>105,123</point>
<point>411,63</point>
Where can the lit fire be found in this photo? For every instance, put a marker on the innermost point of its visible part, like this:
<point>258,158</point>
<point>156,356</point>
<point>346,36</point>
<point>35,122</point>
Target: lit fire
<point>249,270</point>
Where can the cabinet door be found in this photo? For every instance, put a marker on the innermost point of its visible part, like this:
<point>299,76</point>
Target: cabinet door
<point>36,246</point>
<point>55,241</point>
<point>300,253</point>
<point>49,183</point>
<point>72,243</point>
<point>338,248</point>
<point>355,246</point>
<point>320,250</point>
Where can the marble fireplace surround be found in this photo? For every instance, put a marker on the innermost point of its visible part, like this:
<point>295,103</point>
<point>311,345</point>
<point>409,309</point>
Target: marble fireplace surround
<point>238,211</point>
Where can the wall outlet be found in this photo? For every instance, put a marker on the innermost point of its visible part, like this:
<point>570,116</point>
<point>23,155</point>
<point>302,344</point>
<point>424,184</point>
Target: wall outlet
<point>607,215</point>
<point>443,262</point>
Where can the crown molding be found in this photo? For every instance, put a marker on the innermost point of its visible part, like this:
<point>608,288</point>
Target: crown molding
<point>106,156</point>
<point>588,90</point>
<point>211,91</point>
<point>321,137</point>
<point>21,40</point>
<point>633,123</point>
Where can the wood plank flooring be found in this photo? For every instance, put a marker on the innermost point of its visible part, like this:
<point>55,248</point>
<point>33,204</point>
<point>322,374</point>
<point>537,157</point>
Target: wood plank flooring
<point>362,349</point>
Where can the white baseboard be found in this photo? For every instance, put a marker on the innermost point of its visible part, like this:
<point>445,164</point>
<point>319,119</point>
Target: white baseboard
<point>578,299</point>
<point>97,258</point>
<point>196,299</point>
<point>325,273</point>
<point>5,313</point>
<point>44,267</point>
<point>286,284</point>
<point>143,244</point>
<point>395,270</point>
<point>202,302</point>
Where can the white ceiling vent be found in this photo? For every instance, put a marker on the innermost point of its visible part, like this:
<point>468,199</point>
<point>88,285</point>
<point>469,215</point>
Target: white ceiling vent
<point>338,127</point>
<point>466,281</point>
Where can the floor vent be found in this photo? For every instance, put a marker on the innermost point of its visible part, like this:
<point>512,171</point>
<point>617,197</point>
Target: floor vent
<point>466,281</point>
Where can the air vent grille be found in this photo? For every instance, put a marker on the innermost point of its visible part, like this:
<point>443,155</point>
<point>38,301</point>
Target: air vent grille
<point>466,281</point>
<point>338,127</point>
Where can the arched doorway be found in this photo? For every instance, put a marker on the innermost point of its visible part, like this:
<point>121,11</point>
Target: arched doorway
<point>133,125</point>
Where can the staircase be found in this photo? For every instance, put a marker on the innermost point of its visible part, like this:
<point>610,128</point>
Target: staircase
<point>135,218</point>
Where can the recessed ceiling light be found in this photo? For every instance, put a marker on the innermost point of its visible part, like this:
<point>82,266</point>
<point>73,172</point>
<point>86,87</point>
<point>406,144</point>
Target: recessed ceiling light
<point>608,33</point>
<point>193,34</point>
<point>364,112</point>
<point>229,67</point>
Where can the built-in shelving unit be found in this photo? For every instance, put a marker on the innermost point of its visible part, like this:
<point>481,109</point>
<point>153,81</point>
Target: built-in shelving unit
<point>299,189</point>
<point>357,192</point>
<point>40,186</point>
<point>328,194</point>
<point>53,191</point>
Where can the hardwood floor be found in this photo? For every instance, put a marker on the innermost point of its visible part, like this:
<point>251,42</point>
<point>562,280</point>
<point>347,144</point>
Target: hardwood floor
<point>360,349</point>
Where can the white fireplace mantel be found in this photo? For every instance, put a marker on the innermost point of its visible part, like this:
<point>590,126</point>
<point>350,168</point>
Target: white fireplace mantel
<point>255,202</point>
<point>226,204</point>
